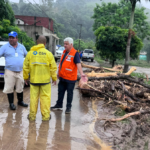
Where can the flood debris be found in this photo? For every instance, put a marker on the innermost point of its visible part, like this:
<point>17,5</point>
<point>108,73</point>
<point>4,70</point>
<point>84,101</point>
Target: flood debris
<point>126,100</point>
<point>117,68</point>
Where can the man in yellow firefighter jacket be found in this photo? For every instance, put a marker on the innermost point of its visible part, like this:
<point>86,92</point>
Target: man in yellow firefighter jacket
<point>41,66</point>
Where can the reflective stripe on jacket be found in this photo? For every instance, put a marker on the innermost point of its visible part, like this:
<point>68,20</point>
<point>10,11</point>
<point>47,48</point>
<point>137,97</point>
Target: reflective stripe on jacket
<point>41,65</point>
<point>68,70</point>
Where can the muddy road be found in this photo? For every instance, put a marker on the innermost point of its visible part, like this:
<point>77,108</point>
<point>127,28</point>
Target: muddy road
<point>81,130</point>
<point>66,132</point>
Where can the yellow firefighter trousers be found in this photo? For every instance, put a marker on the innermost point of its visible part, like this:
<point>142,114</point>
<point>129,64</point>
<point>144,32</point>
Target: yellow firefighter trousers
<point>44,93</point>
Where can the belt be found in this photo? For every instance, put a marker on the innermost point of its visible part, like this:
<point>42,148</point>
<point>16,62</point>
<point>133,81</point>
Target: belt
<point>16,71</point>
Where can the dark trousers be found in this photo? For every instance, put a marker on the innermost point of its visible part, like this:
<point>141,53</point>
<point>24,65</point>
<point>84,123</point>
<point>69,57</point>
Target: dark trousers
<point>62,87</point>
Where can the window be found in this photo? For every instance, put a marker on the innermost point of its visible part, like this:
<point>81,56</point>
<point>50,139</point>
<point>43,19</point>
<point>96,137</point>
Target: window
<point>61,49</point>
<point>88,51</point>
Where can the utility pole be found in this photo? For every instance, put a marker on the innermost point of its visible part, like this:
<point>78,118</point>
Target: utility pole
<point>79,35</point>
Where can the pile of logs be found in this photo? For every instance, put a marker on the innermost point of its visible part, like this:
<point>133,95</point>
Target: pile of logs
<point>129,93</point>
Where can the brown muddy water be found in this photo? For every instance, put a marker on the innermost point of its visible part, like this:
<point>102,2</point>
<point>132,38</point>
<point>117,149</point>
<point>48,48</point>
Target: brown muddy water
<point>63,132</point>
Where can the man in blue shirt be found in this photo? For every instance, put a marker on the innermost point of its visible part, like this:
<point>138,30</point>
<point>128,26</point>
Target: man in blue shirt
<point>14,54</point>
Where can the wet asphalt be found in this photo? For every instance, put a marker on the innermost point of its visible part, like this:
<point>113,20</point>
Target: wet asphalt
<point>62,132</point>
<point>75,131</point>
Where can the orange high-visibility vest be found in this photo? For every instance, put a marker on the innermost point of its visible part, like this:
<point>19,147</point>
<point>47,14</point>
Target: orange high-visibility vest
<point>68,69</point>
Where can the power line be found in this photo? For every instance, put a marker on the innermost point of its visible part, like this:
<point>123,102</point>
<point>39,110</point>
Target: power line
<point>34,6</point>
<point>41,9</point>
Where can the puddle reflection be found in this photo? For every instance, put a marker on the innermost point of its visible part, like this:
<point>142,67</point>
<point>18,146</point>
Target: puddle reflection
<point>37,137</point>
<point>61,138</point>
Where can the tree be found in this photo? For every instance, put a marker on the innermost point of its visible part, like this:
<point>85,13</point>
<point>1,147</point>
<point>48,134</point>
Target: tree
<point>130,33</point>
<point>111,42</point>
<point>82,44</point>
<point>6,12</point>
<point>112,14</point>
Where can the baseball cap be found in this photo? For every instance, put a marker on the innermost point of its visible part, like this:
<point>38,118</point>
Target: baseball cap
<point>13,33</point>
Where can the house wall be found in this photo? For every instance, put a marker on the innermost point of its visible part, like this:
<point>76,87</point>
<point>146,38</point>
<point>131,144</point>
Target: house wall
<point>33,31</point>
<point>44,21</point>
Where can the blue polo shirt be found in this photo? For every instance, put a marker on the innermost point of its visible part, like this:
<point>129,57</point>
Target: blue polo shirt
<point>14,57</point>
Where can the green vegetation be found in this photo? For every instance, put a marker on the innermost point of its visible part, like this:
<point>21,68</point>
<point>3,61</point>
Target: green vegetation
<point>6,12</point>
<point>130,32</point>
<point>98,59</point>
<point>111,43</point>
<point>120,112</point>
<point>6,27</point>
<point>140,63</point>
<point>138,75</point>
<point>112,14</point>
<point>146,145</point>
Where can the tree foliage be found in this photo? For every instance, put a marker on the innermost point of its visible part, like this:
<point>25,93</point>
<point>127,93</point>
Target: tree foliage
<point>113,14</point>
<point>6,27</point>
<point>6,12</point>
<point>111,43</point>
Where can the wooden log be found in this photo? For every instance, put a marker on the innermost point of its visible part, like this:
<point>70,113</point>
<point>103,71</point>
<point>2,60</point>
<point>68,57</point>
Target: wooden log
<point>93,67</point>
<point>83,84</point>
<point>113,70</point>
<point>93,74</point>
<point>126,77</point>
<point>88,66</point>
<point>130,71</point>
<point>128,115</point>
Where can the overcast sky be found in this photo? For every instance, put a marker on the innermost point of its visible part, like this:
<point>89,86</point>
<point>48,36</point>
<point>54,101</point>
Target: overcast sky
<point>144,3</point>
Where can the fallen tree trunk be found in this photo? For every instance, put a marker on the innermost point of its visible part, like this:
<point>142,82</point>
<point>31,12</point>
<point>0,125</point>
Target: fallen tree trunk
<point>88,66</point>
<point>127,115</point>
<point>93,74</point>
<point>126,77</point>
<point>93,67</point>
<point>130,71</point>
<point>113,70</point>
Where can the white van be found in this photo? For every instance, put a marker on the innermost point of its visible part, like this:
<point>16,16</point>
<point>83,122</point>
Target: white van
<point>2,63</point>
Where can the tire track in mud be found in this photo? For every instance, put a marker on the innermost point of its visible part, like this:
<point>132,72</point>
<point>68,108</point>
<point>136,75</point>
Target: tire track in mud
<point>92,129</point>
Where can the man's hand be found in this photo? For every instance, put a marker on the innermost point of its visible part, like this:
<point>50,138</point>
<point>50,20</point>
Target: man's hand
<point>57,75</point>
<point>54,83</point>
<point>26,81</point>
<point>83,76</point>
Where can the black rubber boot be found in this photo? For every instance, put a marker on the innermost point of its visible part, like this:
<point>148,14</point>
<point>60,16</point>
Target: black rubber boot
<point>11,101</point>
<point>20,100</point>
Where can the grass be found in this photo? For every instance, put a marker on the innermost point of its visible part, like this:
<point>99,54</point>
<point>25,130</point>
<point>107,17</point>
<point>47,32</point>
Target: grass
<point>140,75</point>
<point>139,63</point>
<point>98,59</point>
<point>146,146</point>
<point>120,112</point>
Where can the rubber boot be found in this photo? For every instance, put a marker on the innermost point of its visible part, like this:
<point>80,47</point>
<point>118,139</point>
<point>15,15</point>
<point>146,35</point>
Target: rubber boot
<point>20,100</point>
<point>11,101</point>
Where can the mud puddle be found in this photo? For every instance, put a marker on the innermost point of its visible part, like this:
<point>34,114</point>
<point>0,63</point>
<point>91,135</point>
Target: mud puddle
<point>92,129</point>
